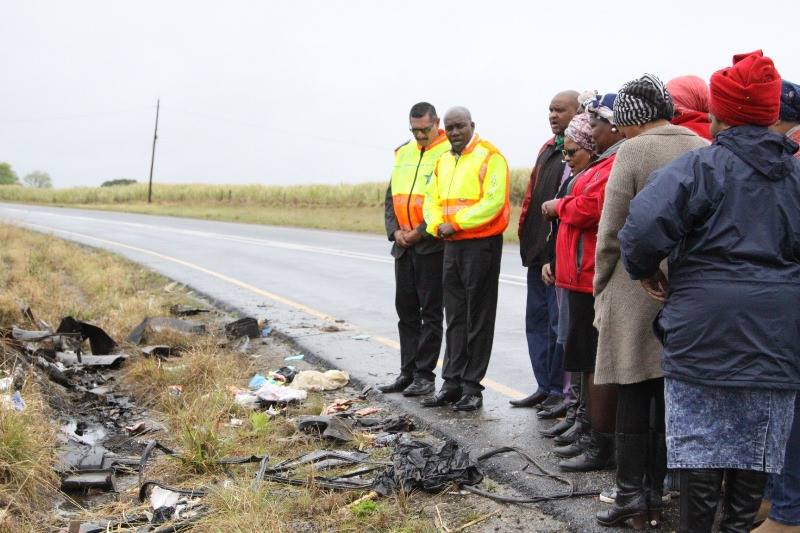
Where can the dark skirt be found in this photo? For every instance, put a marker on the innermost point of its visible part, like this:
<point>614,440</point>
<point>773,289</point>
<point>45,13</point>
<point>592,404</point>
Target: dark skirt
<point>580,351</point>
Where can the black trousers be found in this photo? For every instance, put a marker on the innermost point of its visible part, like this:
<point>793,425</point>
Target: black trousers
<point>640,407</point>
<point>471,277</point>
<point>418,300</point>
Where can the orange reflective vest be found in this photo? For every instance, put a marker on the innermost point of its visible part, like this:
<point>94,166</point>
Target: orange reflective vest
<point>470,191</point>
<point>412,171</point>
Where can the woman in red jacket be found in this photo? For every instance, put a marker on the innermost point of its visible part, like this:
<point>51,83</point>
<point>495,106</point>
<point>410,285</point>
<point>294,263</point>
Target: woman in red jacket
<point>579,214</point>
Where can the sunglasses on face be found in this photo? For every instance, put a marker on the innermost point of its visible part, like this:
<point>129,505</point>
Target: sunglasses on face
<point>423,131</point>
<point>570,153</point>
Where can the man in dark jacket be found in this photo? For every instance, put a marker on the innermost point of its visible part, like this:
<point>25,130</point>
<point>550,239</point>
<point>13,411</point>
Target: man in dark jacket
<point>418,256</point>
<point>726,216</point>
<point>541,313</point>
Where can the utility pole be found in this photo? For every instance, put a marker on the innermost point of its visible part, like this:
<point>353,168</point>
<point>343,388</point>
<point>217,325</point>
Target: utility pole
<point>153,155</point>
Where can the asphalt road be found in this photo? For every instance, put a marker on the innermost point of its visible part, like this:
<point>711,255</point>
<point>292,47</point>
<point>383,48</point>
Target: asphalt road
<point>306,280</point>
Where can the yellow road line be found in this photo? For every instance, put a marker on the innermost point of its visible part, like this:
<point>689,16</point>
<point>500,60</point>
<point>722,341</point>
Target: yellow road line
<point>489,383</point>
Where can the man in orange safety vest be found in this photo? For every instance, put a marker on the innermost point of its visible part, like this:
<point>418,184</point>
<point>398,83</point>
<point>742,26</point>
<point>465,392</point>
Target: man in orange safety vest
<point>418,254</point>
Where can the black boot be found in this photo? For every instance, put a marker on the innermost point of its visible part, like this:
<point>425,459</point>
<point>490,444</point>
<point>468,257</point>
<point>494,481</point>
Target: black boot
<point>599,454</point>
<point>743,492</point>
<point>656,472</point>
<point>571,435</point>
<point>631,500</point>
<point>559,428</point>
<point>576,448</point>
<point>700,491</point>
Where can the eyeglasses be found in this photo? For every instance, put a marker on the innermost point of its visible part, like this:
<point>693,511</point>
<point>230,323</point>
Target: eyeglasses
<point>570,153</point>
<point>423,131</point>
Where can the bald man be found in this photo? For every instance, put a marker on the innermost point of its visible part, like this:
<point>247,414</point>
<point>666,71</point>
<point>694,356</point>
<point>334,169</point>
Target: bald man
<point>466,205</point>
<point>541,313</point>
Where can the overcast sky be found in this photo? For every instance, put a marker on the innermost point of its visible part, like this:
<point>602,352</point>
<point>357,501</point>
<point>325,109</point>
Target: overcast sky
<point>303,92</point>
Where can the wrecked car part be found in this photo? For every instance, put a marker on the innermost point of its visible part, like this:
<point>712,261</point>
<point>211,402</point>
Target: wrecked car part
<point>71,359</point>
<point>99,341</point>
<point>187,310</point>
<point>159,350</point>
<point>83,481</point>
<point>244,327</point>
<point>329,427</point>
<point>159,324</point>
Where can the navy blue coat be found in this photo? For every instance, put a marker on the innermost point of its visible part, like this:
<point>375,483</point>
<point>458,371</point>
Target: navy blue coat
<point>728,218</point>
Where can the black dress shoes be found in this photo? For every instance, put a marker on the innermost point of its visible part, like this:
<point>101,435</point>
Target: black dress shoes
<point>468,402</point>
<point>399,385</point>
<point>530,401</point>
<point>557,429</point>
<point>441,398</point>
<point>420,387</point>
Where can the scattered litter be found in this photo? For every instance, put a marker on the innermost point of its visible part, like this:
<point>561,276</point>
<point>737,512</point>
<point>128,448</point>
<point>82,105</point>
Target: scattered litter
<point>159,324</point>
<point>186,310</point>
<point>368,411</point>
<point>244,327</point>
<point>247,400</point>
<point>241,345</point>
<point>163,502</point>
<point>6,383</point>
<point>296,357</point>
<point>430,467</point>
<point>277,394</point>
<point>236,422</point>
<point>30,336</point>
<point>330,329</point>
<point>99,341</point>
<point>266,332</point>
<point>257,381</point>
<point>314,380</point>
<point>360,337</point>
<point>324,459</point>
<point>339,405</point>
<point>144,426</point>
<point>287,372</point>
<point>13,401</point>
<point>175,390</point>
<point>329,427</point>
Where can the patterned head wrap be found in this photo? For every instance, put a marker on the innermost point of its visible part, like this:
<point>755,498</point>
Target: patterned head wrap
<point>580,132</point>
<point>603,107</point>
<point>790,102</point>
<point>643,100</point>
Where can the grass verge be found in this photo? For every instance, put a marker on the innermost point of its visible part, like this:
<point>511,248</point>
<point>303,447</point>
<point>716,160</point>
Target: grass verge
<point>341,207</point>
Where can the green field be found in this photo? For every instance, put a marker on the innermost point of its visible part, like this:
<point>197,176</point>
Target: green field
<point>357,207</point>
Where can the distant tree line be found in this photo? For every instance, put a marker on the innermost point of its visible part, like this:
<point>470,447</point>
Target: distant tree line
<point>121,181</point>
<point>36,179</point>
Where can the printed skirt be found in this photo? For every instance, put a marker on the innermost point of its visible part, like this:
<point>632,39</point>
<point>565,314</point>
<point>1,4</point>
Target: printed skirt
<point>727,427</point>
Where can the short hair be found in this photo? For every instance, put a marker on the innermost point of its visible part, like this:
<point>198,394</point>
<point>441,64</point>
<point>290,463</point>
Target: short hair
<point>422,109</point>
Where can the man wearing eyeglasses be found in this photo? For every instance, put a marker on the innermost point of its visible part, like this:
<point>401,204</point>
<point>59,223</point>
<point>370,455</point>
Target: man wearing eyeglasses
<point>418,255</point>
<point>541,313</point>
<point>467,206</point>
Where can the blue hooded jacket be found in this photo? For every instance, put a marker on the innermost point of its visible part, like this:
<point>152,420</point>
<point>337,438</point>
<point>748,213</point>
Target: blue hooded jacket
<point>728,218</point>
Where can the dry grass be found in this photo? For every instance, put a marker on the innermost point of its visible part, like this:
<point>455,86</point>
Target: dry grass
<point>56,279</point>
<point>27,453</point>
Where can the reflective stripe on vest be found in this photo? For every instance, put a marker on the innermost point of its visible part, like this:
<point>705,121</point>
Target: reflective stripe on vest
<point>461,180</point>
<point>410,176</point>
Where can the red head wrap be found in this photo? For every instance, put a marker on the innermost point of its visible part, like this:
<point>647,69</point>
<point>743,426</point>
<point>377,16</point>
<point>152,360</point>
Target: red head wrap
<point>749,92</point>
